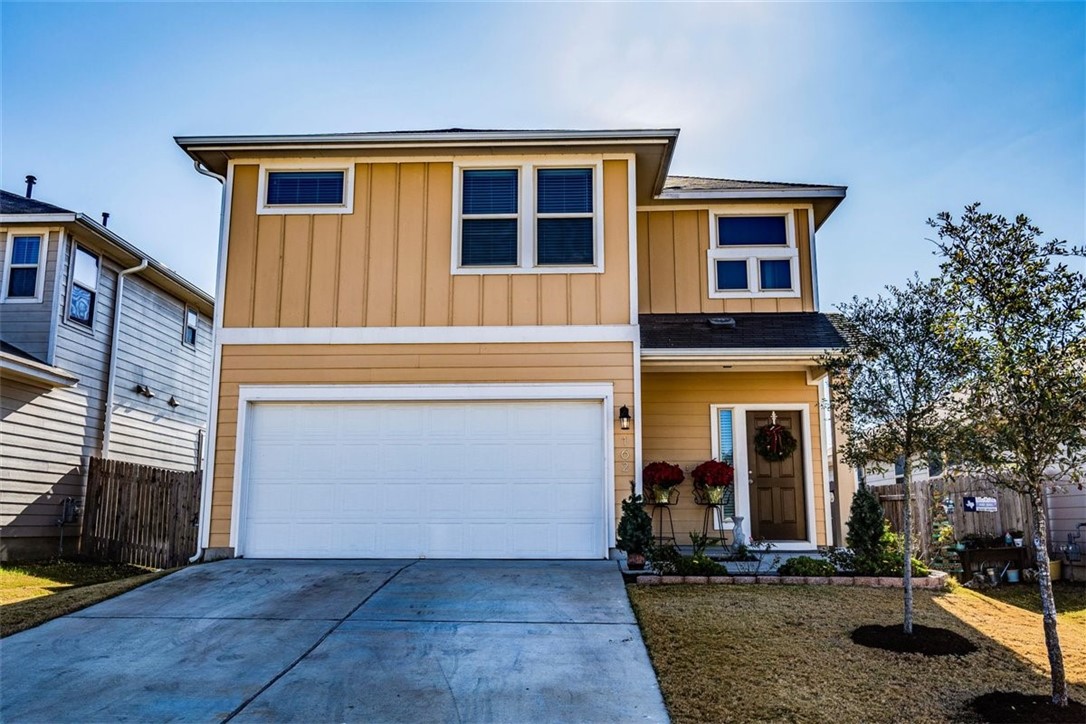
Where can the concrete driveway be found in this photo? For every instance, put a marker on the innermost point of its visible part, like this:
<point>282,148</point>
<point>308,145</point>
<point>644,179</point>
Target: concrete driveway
<point>323,641</point>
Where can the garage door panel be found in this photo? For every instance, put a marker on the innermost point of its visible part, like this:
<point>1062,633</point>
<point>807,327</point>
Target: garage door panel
<point>408,479</point>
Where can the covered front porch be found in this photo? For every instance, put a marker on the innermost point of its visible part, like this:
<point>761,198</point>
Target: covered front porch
<point>689,417</point>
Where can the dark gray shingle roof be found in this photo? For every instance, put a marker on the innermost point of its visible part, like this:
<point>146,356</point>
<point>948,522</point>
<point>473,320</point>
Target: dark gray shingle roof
<point>784,330</point>
<point>18,204</point>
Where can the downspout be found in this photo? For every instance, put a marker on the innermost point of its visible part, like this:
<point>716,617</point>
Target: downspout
<point>118,298</point>
<point>208,465</point>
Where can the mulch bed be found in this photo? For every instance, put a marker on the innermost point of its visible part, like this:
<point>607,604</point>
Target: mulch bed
<point>1010,706</point>
<point>924,640</point>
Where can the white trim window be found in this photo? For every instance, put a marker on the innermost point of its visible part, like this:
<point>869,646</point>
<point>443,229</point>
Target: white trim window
<point>24,267</point>
<point>528,218</point>
<point>753,255</point>
<point>305,188</point>
<point>191,326</point>
<point>83,286</point>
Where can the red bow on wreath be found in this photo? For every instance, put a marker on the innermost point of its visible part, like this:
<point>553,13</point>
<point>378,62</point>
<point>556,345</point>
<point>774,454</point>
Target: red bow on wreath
<point>774,442</point>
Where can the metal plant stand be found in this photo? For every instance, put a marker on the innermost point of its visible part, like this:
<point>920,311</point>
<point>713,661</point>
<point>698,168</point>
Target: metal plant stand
<point>661,519</point>
<point>712,511</point>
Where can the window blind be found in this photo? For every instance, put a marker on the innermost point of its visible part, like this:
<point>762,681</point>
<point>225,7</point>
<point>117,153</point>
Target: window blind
<point>564,191</point>
<point>305,188</point>
<point>775,274</point>
<point>490,191</point>
<point>727,455</point>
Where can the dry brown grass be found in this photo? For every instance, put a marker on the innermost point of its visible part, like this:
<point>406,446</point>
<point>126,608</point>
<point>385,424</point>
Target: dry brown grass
<point>783,653</point>
<point>32,594</point>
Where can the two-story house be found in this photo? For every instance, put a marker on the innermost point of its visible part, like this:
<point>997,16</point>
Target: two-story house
<point>467,343</point>
<point>103,352</point>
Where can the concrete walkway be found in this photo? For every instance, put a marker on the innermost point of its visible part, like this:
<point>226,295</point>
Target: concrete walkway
<point>324,641</point>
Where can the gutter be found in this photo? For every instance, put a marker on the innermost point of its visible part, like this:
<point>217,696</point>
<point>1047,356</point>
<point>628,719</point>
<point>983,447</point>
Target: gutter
<point>114,347</point>
<point>751,354</point>
<point>818,192</point>
<point>211,416</point>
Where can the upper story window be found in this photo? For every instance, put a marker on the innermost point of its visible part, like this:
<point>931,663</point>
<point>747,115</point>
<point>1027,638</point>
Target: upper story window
<point>305,190</point>
<point>192,323</point>
<point>83,290</point>
<point>564,223</point>
<point>489,215</point>
<point>24,273</point>
<point>753,255</point>
<point>528,218</point>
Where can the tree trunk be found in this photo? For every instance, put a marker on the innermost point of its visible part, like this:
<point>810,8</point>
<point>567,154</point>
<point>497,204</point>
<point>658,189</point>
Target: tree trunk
<point>1048,601</point>
<point>907,526</point>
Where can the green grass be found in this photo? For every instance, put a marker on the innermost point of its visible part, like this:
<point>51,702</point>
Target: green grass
<point>33,593</point>
<point>783,653</point>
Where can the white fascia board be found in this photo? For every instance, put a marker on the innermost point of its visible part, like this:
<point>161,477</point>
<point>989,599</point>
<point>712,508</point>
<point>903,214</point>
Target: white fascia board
<point>427,335</point>
<point>12,367</point>
<point>831,192</point>
<point>421,140</point>
<point>36,218</point>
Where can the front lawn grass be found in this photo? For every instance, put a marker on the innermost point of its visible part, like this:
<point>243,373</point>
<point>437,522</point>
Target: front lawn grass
<point>33,593</point>
<point>783,653</point>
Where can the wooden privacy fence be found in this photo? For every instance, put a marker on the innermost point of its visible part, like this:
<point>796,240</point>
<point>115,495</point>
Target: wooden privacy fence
<point>1013,510</point>
<point>139,514</point>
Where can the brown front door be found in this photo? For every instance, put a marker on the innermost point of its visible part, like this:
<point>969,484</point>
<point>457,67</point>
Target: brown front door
<point>777,509</point>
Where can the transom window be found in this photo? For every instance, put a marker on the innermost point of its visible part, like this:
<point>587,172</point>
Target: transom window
<point>83,291</point>
<point>192,321</point>
<point>306,190</point>
<point>23,276</point>
<point>753,255</point>
<point>528,218</point>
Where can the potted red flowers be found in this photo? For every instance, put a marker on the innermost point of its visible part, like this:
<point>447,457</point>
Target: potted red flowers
<point>660,478</point>
<point>711,478</point>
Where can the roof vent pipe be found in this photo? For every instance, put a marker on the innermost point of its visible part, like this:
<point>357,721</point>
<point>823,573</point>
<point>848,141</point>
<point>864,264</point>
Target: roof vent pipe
<point>105,218</point>
<point>30,181</point>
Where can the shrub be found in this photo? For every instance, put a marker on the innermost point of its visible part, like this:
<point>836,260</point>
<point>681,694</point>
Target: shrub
<point>666,560</point>
<point>806,566</point>
<point>635,527</point>
<point>866,525</point>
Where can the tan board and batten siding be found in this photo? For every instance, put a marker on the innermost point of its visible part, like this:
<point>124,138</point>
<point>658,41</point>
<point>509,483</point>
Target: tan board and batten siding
<point>607,362</point>
<point>672,266</point>
<point>388,265</point>
<point>677,427</point>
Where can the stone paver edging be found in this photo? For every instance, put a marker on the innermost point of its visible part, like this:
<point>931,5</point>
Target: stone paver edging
<point>935,581</point>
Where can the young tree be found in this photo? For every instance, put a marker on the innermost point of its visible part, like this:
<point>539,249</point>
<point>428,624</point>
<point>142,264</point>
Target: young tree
<point>1021,337</point>
<point>890,388</point>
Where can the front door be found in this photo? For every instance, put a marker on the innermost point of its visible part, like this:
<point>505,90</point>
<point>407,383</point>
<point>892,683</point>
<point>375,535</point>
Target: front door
<point>777,508</point>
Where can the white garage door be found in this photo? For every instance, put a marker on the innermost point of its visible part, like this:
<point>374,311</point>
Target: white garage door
<point>436,479</point>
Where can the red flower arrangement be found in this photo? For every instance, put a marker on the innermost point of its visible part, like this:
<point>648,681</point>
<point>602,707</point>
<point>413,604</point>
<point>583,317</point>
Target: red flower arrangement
<point>712,474</point>
<point>659,478</point>
<point>711,478</point>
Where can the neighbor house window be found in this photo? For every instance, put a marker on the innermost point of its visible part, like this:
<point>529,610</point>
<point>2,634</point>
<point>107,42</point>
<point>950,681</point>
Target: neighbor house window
<point>489,217</point>
<point>528,218</point>
<point>84,287</point>
<point>305,190</point>
<point>753,255</point>
<point>192,321</point>
<point>24,275</point>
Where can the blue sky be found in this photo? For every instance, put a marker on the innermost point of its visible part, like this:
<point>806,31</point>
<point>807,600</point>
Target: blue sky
<point>917,108</point>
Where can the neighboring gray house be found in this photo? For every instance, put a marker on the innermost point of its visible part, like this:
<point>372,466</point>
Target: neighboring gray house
<point>82,376</point>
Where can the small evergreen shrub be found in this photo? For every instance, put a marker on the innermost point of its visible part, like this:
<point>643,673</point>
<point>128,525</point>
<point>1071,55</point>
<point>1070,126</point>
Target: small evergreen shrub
<point>806,566</point>
<point>873,549</point>
<point>634,527</point>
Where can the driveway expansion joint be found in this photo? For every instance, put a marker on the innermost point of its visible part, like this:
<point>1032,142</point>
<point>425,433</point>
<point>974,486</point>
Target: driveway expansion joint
<point>241,707</point>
